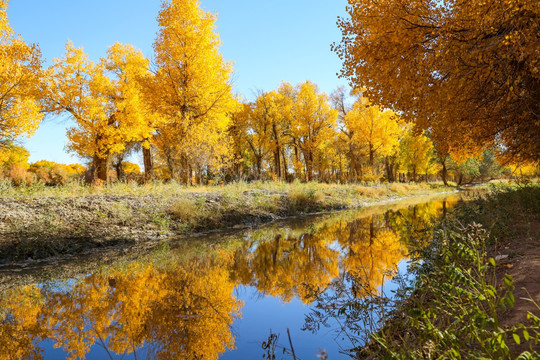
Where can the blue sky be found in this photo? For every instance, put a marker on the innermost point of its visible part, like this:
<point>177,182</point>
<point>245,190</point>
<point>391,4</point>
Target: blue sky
<point>268,41</point>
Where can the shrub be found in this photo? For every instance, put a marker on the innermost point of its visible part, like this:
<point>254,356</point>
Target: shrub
<point>305,199</point>
<point>192,211</point>
<point>19,175</point>
<point>52,174</point>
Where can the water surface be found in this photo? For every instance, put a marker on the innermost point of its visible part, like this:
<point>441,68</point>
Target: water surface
<point>221,296</point>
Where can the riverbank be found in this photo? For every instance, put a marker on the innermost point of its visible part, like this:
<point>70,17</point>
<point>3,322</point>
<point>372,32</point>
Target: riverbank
<point>477,292</point>
<point>39,222</point>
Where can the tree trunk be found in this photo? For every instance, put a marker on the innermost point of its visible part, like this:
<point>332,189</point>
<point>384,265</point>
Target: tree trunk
<point>258,161</point>
<point>120,174</point>
<point>198,175</point>
<point>170,163</point>
<point>100,169</point>
<point>352,163</point>
<point>148,164</point>
<point>209,174</point>
<point>277,150</point>
<point>389,170</point>
<point>351,174</point>
<point>297,158</point>
<point>444,210</point>
<point>277,164</point>
<point>184,170</point>
<point>353,170</point>
<point>309,166</point>
<point>340,175</point>
<point>444,172</point>
<point>285,166</point>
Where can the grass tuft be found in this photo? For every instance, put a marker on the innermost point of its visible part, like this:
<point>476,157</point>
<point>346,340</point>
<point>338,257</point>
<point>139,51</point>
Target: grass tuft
<point>305,199</point>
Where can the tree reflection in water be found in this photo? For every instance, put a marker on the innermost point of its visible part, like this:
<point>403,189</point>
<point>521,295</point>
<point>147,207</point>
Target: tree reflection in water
<point>185,309</point>
<point>355,303</point>
<point>185,312</point>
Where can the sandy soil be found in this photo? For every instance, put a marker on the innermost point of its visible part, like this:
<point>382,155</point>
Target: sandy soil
<point>521,259</point>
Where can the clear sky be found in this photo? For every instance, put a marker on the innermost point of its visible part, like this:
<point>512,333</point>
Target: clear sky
<point>269,41</point>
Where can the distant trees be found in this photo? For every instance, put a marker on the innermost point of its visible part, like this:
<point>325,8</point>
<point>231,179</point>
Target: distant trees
<point>415,153</point>
<point>103,99</point>
<point>289,130</point>
<point>465,93</point>
<point>295,133</point>
<point>374,132</point>
<point>312,125</point>
<point>14,167</point>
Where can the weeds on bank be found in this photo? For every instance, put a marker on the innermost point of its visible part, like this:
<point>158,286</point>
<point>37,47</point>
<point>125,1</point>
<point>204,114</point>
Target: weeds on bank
<point>304,200</point>
<point>504,210</point>
<point>454,311</point>
<point>159,189</point>
<point>373,192</point>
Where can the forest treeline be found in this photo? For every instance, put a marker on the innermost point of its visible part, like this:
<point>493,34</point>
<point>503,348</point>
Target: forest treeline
<point>180,112</point>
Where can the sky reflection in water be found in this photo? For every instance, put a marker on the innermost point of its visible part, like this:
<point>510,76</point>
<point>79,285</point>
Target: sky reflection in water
<point>205,302</point>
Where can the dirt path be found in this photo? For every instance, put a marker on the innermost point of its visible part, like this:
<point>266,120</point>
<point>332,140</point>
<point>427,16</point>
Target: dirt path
<point>520,258</point>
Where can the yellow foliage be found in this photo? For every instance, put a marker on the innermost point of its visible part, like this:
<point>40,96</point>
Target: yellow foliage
<point>20,81</point>
<point>104,100</point>
<point>191,89</point>
<point>468,71</point>
<point>525,169</point>
<point>18,336</point>
<point>13,155</point>
<point>51,173</point>
<point>312,123</point>
<point>374,131</point>
<point>415,153</point>
<point>131,168</point>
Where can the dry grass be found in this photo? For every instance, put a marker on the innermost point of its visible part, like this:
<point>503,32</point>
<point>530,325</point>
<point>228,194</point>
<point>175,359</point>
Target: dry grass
<point>305,199</point>
<point>404,189</point>
<point>184,209</point>
<point>371,191</point>
<point>235,189</point>
<point>132,212</point>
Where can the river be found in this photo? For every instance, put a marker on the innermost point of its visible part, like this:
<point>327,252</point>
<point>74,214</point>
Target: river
<point>221,295</point>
